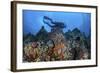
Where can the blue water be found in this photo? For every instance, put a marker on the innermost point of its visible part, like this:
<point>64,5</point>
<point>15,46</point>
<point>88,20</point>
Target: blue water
<point>33,20</point>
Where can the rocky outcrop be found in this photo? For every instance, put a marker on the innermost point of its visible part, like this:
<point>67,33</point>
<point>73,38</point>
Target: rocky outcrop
<point>56,45</point>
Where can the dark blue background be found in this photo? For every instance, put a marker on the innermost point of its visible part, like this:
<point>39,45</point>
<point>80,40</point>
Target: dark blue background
<point>33,20</point>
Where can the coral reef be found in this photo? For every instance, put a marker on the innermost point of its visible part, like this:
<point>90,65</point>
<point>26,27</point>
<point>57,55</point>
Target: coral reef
<point>56,45</point>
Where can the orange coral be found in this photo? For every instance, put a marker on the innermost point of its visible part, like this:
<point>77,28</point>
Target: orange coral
<point>58,50</point>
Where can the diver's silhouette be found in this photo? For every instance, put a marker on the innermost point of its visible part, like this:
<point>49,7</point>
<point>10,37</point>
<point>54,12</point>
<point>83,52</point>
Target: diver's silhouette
<point>53,24</point>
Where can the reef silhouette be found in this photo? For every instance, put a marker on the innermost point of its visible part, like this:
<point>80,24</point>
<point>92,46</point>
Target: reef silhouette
<point>56,45</point>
